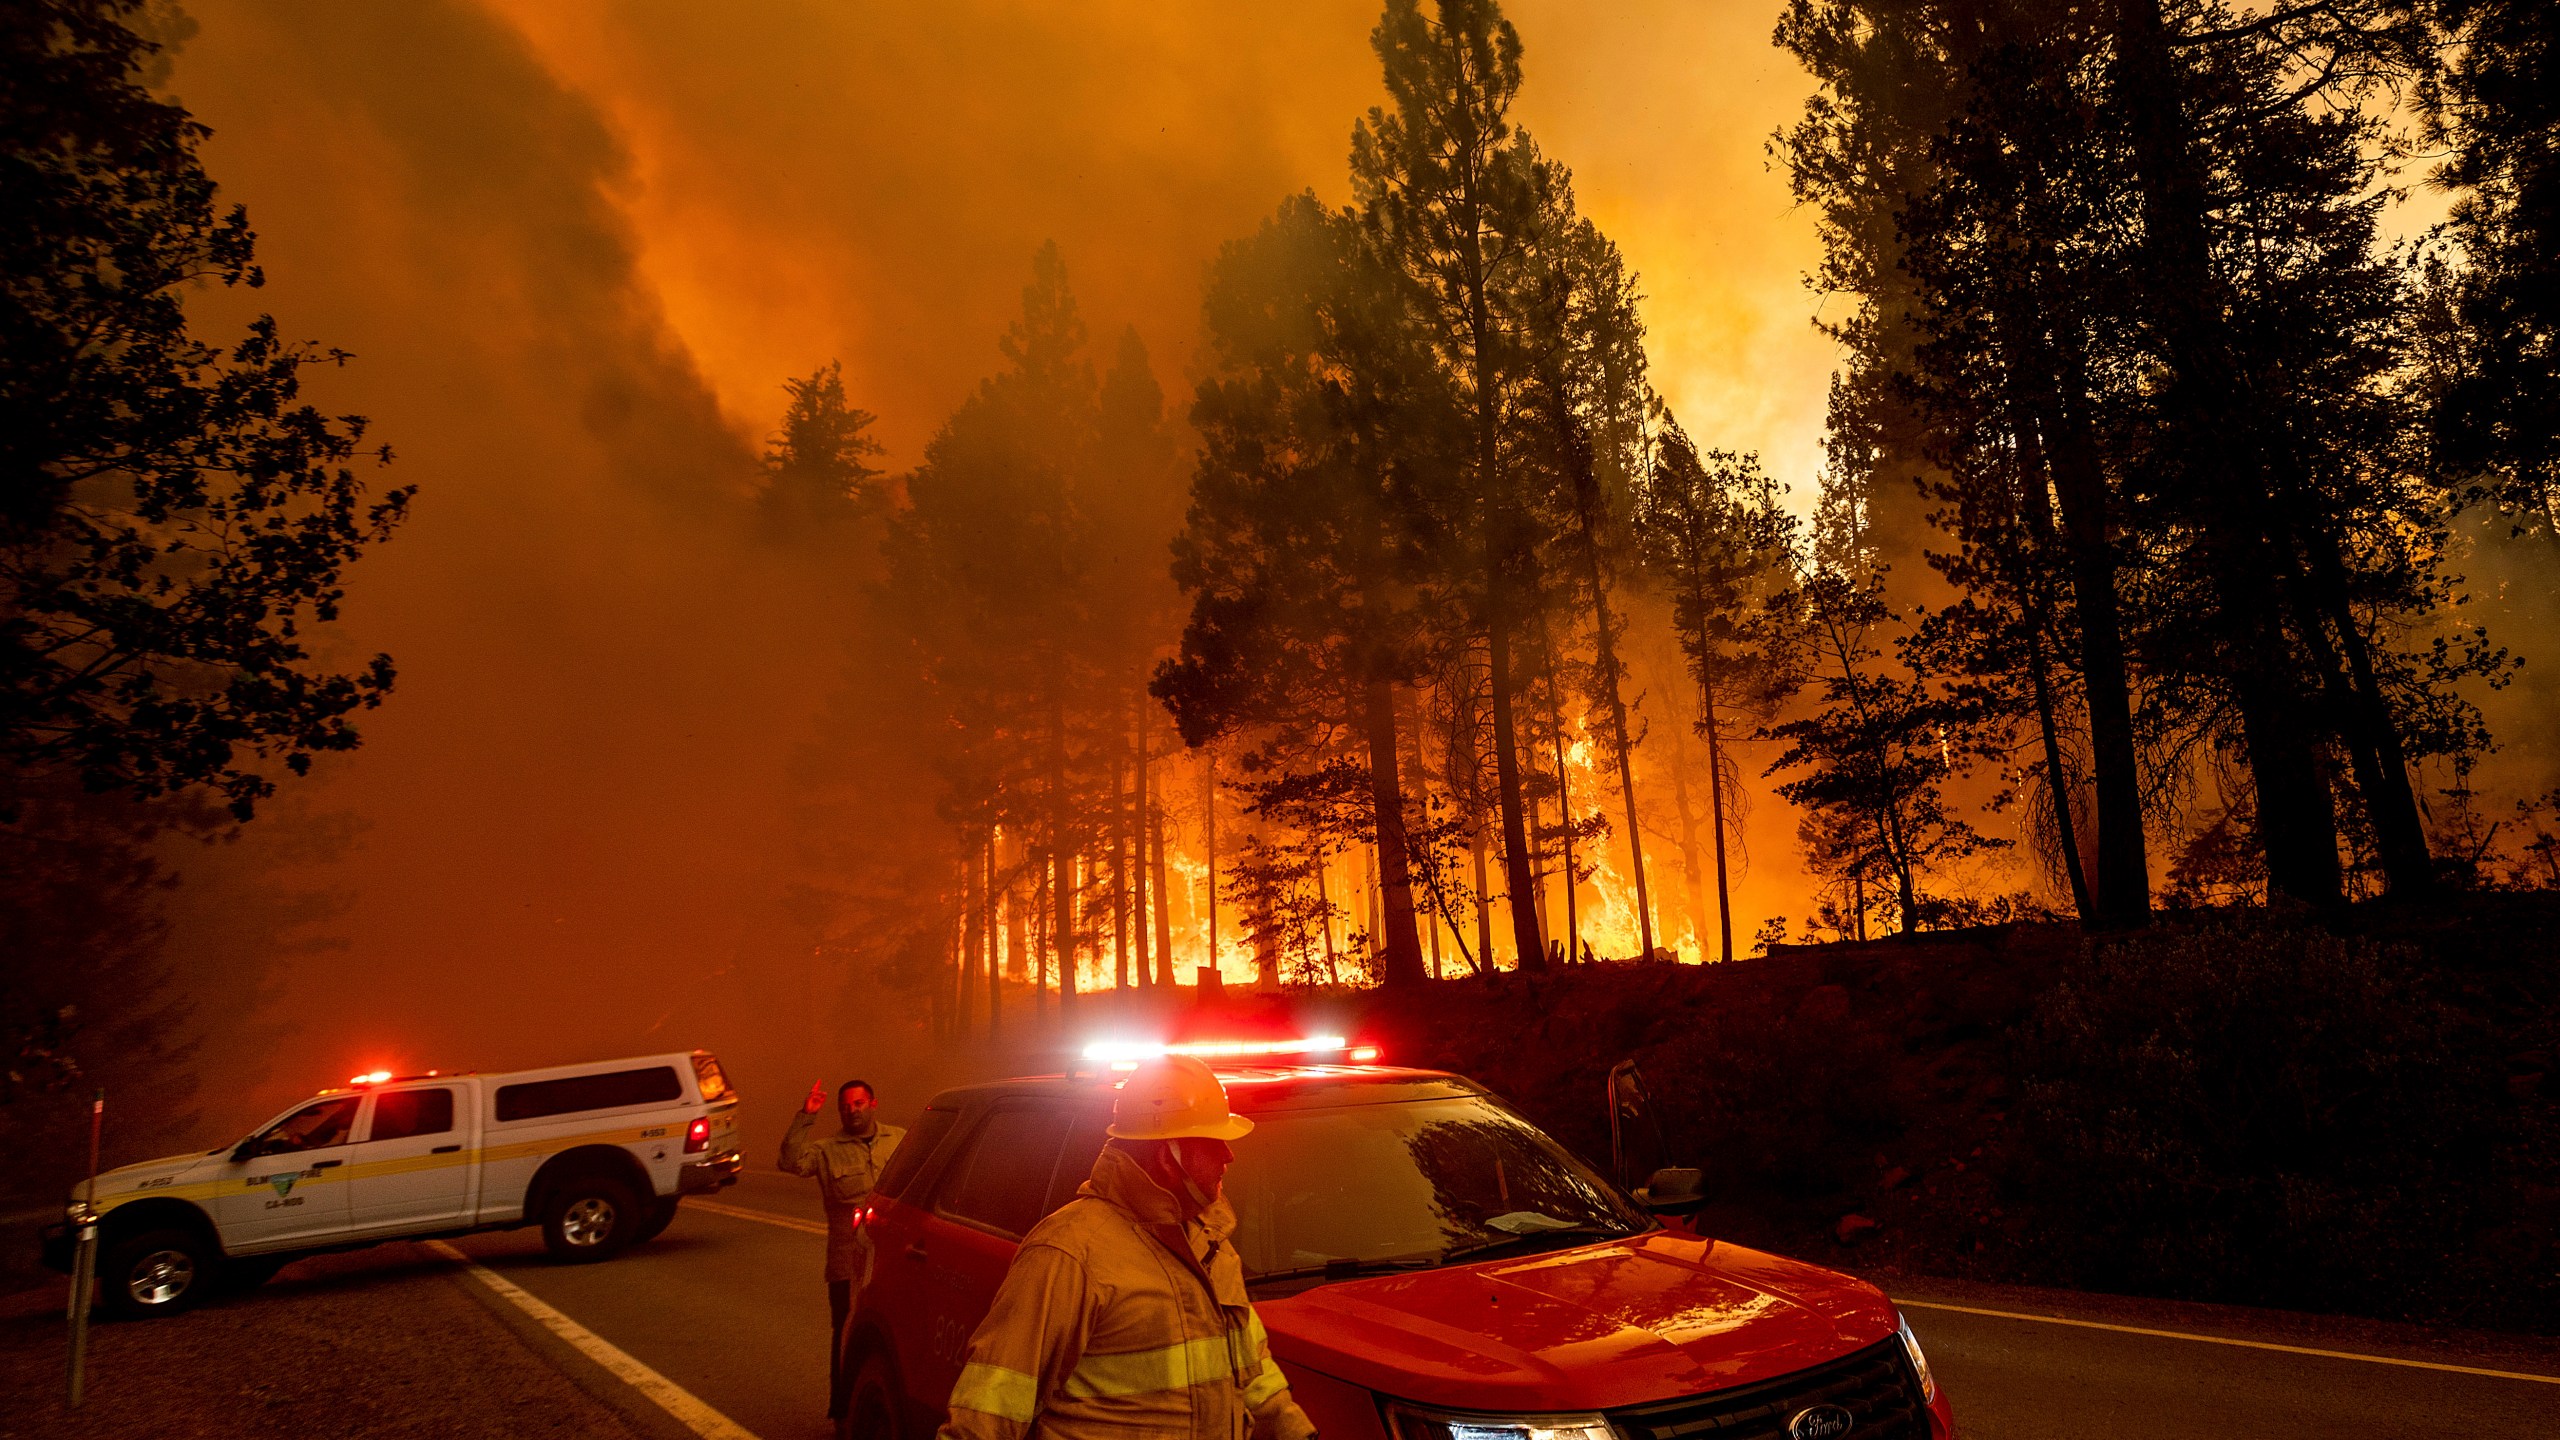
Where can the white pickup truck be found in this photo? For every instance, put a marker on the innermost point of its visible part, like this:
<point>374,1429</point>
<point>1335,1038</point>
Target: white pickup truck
<point>598,1155</point>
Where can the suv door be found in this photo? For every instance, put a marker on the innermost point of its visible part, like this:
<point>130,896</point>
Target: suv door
<point>292,1188</point>
<point>994,1189</point>
<point>412,1171</point>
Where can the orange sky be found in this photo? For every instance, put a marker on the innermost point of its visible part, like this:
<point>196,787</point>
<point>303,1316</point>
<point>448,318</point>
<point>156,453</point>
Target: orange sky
<point>828,180</point>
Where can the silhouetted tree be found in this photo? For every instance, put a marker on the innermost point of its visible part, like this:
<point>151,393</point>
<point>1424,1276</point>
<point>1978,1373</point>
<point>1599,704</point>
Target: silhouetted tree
<point>1875,757</point>
<point>172,517</point>
<point>815,478</point>
<point>2498,106</point>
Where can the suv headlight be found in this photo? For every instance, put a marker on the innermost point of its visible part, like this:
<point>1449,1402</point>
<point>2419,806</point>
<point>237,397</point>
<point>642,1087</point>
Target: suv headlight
<point>1919,1362</point>
<point>1414,1422</point>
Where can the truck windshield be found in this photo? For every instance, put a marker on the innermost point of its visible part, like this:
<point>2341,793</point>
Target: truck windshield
<point>1414,1183</point>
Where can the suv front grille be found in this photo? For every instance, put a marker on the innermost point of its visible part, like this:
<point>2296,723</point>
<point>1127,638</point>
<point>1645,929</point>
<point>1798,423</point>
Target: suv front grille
<point>1875,1386</point>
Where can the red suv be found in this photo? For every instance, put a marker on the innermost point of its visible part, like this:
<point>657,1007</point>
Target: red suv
<point>1430,1265</point>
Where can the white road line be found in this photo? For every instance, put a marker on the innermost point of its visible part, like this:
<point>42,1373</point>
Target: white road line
<point>665,1393</point>
<point>741,1212</point>
<point>2243,1344</point>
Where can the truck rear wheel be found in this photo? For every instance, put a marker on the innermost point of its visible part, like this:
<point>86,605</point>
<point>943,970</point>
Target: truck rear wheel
<point>158,1272</point>
<point>589,1218</point>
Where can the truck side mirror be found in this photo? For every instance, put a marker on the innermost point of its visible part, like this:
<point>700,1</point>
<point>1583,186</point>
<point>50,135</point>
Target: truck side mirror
<point>1674,1190</point>
<point>246,1149</point>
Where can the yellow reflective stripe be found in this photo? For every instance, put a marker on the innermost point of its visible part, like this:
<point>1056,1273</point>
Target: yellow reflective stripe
<point>994,1390</point>
<point>1145,1372</point>
<point>1265,1385</point>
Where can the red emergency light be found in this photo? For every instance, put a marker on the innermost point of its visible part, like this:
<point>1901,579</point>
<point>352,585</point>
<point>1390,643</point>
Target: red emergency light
<point>1125,1054</point>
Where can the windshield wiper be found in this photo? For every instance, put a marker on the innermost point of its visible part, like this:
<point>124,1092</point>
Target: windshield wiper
<point>1347,1269</point>
<point>1580,1232</point>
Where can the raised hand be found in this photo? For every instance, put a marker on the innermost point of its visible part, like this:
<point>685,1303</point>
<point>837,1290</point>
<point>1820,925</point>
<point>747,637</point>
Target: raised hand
<point>817,1100</point>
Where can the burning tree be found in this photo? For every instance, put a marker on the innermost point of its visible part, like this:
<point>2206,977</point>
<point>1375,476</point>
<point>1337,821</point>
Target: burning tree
<point>1299,552</point>
<point>1717,542</point>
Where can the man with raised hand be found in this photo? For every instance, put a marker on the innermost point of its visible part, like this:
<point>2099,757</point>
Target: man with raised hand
<point>847,1165</point>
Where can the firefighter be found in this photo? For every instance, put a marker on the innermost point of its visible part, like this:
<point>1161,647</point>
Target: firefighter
<point>846,1165</point>
<point>1125,1312</point>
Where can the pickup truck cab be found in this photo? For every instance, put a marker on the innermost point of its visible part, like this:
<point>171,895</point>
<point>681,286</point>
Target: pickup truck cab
<point>1429,1264</point>
<point>598,1155</point>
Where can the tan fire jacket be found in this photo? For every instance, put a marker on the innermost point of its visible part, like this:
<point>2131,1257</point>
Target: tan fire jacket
<point>847,1166</point>
<point>1116,1321</point>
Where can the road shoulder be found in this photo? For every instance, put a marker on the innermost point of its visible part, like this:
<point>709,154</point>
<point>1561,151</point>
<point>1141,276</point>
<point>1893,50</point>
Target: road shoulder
<point>381,1344</point>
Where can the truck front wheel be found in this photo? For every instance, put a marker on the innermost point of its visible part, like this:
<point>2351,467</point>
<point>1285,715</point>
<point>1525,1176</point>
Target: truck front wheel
<point>158,1272</point>
<point>590,1217</point>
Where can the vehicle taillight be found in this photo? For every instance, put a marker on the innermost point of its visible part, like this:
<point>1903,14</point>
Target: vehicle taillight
<point>697,1136</point>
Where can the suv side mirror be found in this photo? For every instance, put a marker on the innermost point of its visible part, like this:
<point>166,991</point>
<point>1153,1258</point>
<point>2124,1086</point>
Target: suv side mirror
<point>1631,1122</point>
<point>1674,1190</point>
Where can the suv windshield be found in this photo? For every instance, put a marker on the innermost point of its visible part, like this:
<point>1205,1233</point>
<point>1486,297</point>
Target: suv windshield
<point>1416,1183</point>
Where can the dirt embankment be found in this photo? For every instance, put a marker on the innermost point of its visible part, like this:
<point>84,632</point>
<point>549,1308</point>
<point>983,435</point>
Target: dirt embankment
<point>2355,1117</point>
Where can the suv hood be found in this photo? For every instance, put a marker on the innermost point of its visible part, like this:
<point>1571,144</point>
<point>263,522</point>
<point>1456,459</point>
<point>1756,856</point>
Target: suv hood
<point>1632,1321</point>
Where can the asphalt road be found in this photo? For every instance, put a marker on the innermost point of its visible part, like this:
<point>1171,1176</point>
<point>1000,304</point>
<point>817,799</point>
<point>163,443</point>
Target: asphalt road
<point>732,1309</point>
<point>2030,1380</point>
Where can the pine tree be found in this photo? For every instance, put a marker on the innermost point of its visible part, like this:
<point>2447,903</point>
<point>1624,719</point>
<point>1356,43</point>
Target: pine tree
<point>815,478</point>
<point>173,517</point>
<point>1313,425</point>
<point>2497,105</point>
<point>1448,189</point>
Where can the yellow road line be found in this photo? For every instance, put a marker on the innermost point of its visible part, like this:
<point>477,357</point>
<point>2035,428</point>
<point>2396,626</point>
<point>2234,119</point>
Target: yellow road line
<point>741,1212</point>
<point>2243,1344</point>
<point>667,1395</point>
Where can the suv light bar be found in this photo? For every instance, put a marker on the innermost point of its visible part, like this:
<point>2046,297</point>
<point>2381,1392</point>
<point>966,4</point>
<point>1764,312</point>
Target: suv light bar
<point>1127,1053</point>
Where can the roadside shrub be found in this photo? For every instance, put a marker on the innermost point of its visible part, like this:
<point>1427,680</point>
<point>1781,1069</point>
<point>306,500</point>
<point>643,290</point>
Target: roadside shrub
<point>2264,1113</point>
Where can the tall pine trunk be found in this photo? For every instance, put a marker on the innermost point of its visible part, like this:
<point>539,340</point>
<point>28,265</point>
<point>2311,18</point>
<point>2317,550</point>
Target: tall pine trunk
<point>1572,936</point>
<point>1710,729</point>
<point>1519,881</point>
<point>1062,886</point>
<point>1119,838</point>
<point>995,979</point>
<point>1148,890</point>
<point>1164,898</point>
<point>972,938</point>
<point>1692,873</point>
<point>2216,452</point>
<point>1422,785</point>
<point>1401,962</point>
<point>1209,810</point>
<point>1586,495</point>
<point>2051,381</point>
<point>2382,775</point>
